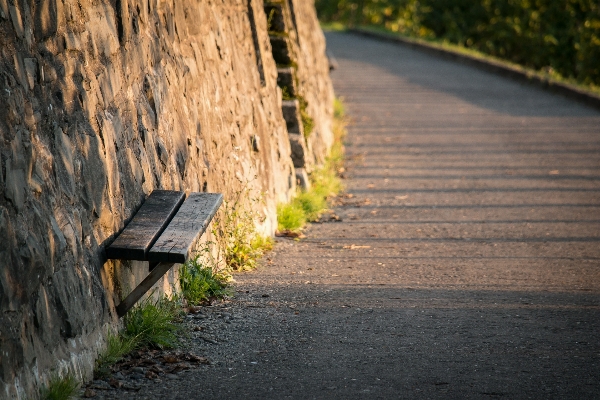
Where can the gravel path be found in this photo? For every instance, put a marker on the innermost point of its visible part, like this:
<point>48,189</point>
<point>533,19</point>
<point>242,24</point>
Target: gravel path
<point>467,264</point>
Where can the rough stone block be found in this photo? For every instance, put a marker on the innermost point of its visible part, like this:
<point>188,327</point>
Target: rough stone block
<point>64,163</point>
<point>20,68</point>
<point>302,179</point>
<point>4,9</point>
<point>111,163</point>
<point>103,29</point>
<point>15,16</point>
<point>46,18</point>
<point>299,153</point>
<point>110,84</point>
<point>16,167</point>
<point>281,50</point>
<point>286,80</point>
<point>275,17</point>
<point>31,71</point>
<point>135,167</point>
<point>48,73</point>
<point>15,185</point>
<point>73,41</point>
<point>42,169</point>
<point>291,114</point>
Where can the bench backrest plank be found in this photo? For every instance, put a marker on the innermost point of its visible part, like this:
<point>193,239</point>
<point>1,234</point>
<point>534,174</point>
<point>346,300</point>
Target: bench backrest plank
<point>146,226</point>
<point>179,240</point>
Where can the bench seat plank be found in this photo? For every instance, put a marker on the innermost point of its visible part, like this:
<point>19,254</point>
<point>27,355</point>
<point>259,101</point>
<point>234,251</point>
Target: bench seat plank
<point>146,226</point>
<point>179,239</point>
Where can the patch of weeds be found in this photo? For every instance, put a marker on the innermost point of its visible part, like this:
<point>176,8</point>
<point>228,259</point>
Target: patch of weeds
<point>290,217</point>
<point>151,323</point>
<point>312,202</point>
<point>201,280</point>
<point>117,346</point>
<point>60,388</point>
<point>326,182</point>
<point>285,94</point>
<point>307,122</point>
<point>291,64</point>
<point>264,243</point>
<point>235,229</point>
<point>270,20</point>
<point>340,123</point>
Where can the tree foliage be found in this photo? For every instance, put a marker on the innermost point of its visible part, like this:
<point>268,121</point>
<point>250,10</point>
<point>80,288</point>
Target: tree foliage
<point>558,36</point>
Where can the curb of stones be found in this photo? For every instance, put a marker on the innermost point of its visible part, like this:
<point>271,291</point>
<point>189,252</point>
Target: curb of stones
<point>493,66</point>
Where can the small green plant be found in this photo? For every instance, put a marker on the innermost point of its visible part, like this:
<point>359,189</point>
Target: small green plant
<point>240,244</point>
<point>270,20</point>
<point>308,206</point>
<point>151,324</point>
<point>285,93</point>
<point>60,388</point>
<point>307,122</point>
<point>200,279</point>
<point>312,202</point>
<point>117,346</point>
<point>290,217</point>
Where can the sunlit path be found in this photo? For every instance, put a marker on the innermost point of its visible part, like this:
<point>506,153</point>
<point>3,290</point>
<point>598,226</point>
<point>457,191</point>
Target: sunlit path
<point>467,265</point>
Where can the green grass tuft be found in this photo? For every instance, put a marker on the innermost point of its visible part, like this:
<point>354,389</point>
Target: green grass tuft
<point>326,183</point>
<point>312,203</point>
<point>307,122</point>
<point>240,244</point>
<point>199,281</point>
<point>339,110</point>
<point>60,388</point>
<point>151,324</point>
<point>117,346</point>
<point>290,217</point>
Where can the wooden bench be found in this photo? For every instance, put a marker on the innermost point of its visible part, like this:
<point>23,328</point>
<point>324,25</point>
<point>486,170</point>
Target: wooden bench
<point>164,231</point>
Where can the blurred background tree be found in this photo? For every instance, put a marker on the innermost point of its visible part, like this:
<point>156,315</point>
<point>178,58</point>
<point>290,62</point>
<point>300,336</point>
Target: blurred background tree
<point>560,37</point>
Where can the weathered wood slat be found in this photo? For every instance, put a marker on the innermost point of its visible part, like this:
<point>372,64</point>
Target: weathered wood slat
<point>179,239</point>
<point>148,223</point>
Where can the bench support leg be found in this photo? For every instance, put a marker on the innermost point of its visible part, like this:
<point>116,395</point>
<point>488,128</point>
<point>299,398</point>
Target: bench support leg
<point>153,277</point>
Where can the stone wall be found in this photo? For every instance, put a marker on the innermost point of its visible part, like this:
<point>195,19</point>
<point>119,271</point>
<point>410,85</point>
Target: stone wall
<point>104,101</point>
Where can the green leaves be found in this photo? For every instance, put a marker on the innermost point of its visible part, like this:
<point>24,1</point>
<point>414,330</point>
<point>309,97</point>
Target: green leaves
<point>60,388</point>
<point>199,281</point>
<point>150,324</point>
<point>563,35</point>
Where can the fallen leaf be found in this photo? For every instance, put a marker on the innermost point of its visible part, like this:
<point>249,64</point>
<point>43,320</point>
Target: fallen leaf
<point>151,375</point>
<point>117,384</point>
<point>169,359</point>
<point>179,367</point>
<point>197,359</point>
<point>354,247</point>
<point>291,234</point>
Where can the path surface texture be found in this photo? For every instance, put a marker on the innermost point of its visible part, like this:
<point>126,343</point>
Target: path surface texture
<point>467,264</point>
